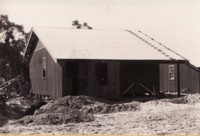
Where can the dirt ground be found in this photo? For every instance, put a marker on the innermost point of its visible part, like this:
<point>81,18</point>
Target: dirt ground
<point>165,116</point>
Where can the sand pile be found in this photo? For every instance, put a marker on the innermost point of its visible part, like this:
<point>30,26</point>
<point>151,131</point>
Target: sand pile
<point>192,98</point>
<point>75,109</point>
<point>188,99</point>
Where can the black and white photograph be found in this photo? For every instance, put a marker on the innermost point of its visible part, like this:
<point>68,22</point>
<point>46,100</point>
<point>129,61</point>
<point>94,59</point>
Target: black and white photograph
<point>100,67</point>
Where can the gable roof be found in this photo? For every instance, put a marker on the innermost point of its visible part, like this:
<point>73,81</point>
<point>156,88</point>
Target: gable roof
<point>63,43</point>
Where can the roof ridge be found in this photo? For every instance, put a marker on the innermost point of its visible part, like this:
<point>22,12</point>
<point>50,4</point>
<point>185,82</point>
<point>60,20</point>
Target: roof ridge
<point>54,27</point>
<point>163,45</point>
<point>150,44</point>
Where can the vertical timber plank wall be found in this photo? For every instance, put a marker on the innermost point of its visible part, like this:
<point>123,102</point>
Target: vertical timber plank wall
<point>189,79</point>
<point>52,84</point>
<point>165,83</point>
<point>109,91</point>
<point>114,79</point>
<point>66,83</point>
<point>91,79</point>
<point>83,77</point>
<point>67,77</point>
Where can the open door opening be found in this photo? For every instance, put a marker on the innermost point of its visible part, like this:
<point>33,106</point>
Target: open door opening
<point>139,79</point>
<point>72,76</point>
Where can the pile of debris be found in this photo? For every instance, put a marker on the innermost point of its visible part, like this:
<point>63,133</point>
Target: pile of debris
<point>85,104</point>
<point>74,109</point>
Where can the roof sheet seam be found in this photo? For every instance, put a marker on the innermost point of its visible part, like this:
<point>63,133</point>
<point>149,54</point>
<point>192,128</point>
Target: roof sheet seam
<point>162,45</point>
<point>151,45</point>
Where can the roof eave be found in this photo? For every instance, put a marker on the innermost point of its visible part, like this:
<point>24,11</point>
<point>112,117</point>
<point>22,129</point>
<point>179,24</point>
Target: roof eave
<point>27,44</point>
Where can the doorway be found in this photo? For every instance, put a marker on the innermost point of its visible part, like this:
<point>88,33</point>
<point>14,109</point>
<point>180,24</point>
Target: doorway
<point>139,79</point>
<point>72,77</point>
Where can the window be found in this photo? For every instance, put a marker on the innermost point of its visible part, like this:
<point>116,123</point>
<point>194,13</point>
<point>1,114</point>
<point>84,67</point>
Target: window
<point>101,73</point>
<point>171,72</point>
<point>44,68</point>
<point>171,76</point>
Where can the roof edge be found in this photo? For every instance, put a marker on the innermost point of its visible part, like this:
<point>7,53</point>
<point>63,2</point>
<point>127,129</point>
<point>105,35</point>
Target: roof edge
<point>27,43</point>
<point>46,47</point>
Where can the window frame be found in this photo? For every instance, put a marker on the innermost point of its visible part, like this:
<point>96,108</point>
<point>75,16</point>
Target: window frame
<point>171,71</point>
<point>44,68</point>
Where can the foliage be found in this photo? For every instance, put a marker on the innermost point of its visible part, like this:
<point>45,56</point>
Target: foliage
<point>77,25</point>
<point>12,45</point>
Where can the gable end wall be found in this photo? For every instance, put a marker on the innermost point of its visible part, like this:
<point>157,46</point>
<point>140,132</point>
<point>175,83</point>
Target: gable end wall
<point>52,84</point>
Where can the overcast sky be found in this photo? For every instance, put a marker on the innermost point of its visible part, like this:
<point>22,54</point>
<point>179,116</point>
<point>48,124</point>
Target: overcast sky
<point>176,23</point>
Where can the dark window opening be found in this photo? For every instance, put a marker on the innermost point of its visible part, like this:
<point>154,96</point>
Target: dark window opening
<point>71,69</point>
<point>44,68</point>
<point>44,73</point>
<point>101,73</point>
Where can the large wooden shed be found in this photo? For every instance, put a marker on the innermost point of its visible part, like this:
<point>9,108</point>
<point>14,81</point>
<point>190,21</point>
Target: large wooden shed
<point>110,64</point>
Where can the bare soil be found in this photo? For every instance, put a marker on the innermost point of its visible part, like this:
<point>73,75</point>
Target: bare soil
<point>86,115</point>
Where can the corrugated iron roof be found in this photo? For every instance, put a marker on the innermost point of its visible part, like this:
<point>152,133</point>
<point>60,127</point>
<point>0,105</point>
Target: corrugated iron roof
<point>63,43</point>
<point>161,46</point>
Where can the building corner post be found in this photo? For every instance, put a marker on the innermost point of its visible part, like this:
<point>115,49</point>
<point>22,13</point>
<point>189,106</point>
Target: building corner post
<point>178,79</point>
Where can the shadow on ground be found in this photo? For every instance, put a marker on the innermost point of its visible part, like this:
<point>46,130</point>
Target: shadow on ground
<point>3,115</point>
<point>7,113</point>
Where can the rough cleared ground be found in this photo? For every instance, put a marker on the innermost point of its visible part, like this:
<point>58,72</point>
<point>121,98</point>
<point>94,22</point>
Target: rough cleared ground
<point>180,116</point>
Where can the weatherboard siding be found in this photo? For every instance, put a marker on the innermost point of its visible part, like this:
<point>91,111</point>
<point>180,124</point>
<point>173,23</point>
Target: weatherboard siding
<point>39,46</point>
<point>189,79</point>
<point>74,84</point>
<point>165,83</point>
<point>52,84</point>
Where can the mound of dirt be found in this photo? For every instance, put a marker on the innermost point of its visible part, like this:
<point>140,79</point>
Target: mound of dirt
<point>74,109</point>
<point>24,105</point>
<point>85,104</point>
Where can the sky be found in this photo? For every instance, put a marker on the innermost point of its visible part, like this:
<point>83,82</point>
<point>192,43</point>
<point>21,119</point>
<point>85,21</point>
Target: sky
<point>175,23</point>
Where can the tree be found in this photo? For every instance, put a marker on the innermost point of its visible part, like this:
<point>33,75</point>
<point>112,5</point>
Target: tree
<point>12,45</point>
<point>77,25</point>
<point>86,26</point>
